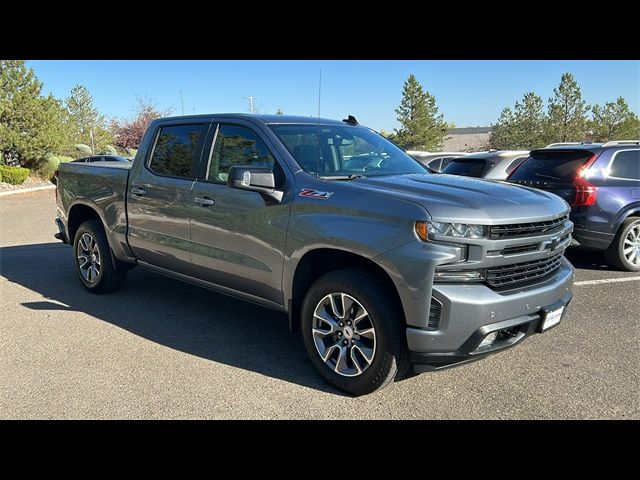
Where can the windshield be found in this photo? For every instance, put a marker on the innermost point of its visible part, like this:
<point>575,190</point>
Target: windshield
<point>344,151</point>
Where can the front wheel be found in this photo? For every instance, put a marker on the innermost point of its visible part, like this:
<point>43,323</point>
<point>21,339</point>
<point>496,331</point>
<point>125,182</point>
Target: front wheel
<point>93,261</point>
<point>354,331</point>
<point>624,251</point>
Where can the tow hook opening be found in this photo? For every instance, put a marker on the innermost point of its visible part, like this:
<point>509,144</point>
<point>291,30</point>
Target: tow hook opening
<point>501,338</point>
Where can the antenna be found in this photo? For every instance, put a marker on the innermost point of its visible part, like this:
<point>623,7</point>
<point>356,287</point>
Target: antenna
<point>319,94</point>
<point>319,97</point>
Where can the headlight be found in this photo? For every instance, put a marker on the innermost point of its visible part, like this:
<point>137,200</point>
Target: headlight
<point>456,230</point>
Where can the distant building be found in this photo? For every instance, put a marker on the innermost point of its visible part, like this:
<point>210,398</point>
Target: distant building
<point>469,139</point>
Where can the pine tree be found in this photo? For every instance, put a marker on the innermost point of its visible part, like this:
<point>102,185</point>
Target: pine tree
<point>522,128</point>
<point>614,121</point>
<point>89,127</point>
<point>30,125</point>
<point>421,126</point>
<point>567,112</point>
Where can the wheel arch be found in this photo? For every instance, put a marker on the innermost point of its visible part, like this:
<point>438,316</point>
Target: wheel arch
<point>317,262</point>
<point>631,210</point>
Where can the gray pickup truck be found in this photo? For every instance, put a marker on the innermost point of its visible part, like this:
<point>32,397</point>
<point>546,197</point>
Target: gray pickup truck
<point>380,264</point>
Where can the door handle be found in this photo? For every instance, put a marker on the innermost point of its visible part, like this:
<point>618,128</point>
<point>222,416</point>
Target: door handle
<point>204,201</point>
<point>138,191</point>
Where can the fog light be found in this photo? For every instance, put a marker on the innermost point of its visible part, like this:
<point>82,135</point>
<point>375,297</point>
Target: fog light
<point>458,275</point>
<point>488,340</point>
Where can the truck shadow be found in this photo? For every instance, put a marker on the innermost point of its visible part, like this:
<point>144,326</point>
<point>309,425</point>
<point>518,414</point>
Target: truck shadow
<point>587,259</point>
<point>171,313</point>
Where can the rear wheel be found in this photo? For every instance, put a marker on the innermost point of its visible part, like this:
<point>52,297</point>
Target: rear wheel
<point>624,251</point>
<point>93,260</point>
<point>354,332</point>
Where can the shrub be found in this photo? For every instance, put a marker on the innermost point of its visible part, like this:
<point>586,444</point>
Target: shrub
<point>131,152</point>
<point>110,150</point>
<point>13,175</point>
<point>84,149</point>
<point>48,165</point>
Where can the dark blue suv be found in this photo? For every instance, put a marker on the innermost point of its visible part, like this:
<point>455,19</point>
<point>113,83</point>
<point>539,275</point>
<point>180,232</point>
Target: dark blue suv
<point>601,182</point>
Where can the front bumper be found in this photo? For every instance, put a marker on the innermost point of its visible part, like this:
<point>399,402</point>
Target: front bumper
<point>470,312</point>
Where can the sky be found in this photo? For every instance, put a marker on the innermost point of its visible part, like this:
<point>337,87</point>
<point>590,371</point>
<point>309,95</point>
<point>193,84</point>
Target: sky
<point>468,92</point>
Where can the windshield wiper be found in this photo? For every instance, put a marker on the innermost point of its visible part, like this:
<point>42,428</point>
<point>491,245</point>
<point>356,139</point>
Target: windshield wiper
<point>353,176</point>
<point>542,175</point>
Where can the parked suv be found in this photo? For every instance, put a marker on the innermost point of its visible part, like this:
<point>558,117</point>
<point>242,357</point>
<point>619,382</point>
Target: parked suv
<point>491,165</point>
<point>601,182</point>
<point>435,161</point>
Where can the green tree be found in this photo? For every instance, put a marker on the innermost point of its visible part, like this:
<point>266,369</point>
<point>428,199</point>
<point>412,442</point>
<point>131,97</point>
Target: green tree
<point>87,124</point>
<point>567,112</point>
<point>421,126</point>
<point>503,132</point>
<point>520,129</point>
<point>31,125</point>
<point>614,121</point>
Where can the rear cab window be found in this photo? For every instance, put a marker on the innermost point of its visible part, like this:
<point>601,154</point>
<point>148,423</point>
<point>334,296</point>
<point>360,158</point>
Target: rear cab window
<point>177,149</point>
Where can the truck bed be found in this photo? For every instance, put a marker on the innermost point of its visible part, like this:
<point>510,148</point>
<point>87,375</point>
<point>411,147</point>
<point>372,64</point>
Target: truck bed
<point>102,186</point>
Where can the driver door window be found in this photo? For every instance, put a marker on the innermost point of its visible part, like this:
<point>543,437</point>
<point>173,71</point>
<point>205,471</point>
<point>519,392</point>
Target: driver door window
<point>235,145</point>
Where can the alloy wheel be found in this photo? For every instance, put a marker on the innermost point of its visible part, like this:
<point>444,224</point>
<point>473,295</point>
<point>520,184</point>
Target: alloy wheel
<point>344,335</point>
<point>88,258</point>
<point>631,245</point>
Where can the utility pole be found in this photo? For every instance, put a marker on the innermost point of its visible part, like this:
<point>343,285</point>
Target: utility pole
<point>93,145</point>
<point>182,102</point>
<point>251,99</point>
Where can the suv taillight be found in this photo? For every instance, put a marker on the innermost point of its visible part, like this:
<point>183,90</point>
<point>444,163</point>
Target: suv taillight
<point>586,192</point>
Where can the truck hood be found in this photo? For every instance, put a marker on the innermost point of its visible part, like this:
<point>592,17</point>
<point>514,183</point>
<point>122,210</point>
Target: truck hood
<point>453,198</point>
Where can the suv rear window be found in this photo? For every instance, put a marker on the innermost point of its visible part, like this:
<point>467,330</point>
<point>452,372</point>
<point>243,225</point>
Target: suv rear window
<point>555,166</point>
<point>467,167</point>
<point>626,164</point>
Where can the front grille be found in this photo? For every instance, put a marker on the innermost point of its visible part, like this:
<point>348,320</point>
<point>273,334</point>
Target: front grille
<point>518,273</point>
<point>435,312</point>
<point>527,229</point>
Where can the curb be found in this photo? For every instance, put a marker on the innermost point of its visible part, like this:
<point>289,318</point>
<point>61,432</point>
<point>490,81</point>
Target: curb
<point>26,190</point>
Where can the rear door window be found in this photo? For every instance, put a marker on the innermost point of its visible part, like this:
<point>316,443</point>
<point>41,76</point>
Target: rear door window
<point>626,165</point>
<point>552,166</point>
<point>177,149</point>
<point>468,168</point>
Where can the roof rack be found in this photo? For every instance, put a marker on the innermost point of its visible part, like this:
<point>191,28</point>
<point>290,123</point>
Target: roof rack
<point>621,142</point>
<point>562,144</point>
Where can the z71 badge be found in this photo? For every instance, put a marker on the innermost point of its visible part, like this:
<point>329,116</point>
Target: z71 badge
<point>311,193</point>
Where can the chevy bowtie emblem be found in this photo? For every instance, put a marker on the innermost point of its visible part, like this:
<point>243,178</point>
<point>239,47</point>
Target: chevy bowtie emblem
<point>311,193</point>
<point>552,244</point>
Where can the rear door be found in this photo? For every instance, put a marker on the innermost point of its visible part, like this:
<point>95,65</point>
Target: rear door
<point>238,237</point>
<point>552,170</point>
<point>159,196</point>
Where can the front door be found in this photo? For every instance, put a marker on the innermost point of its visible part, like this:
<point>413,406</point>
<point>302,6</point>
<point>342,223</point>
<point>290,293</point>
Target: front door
<point>159,197</point>
<point>238,237</point>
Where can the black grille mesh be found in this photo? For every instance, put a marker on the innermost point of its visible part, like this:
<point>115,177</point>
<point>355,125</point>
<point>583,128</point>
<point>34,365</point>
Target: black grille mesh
<point>527,229</point>
<point>517,273</point>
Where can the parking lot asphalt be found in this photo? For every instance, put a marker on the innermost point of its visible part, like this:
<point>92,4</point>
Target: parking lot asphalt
<point>159,348</point>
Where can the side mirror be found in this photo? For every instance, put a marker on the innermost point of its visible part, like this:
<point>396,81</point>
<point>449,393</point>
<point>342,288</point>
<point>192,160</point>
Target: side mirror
<point>254,179</point>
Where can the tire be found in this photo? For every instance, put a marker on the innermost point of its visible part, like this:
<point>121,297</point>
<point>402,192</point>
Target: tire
<point>627,237</point>
<point>91,248</point>
<point>381,355</point>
